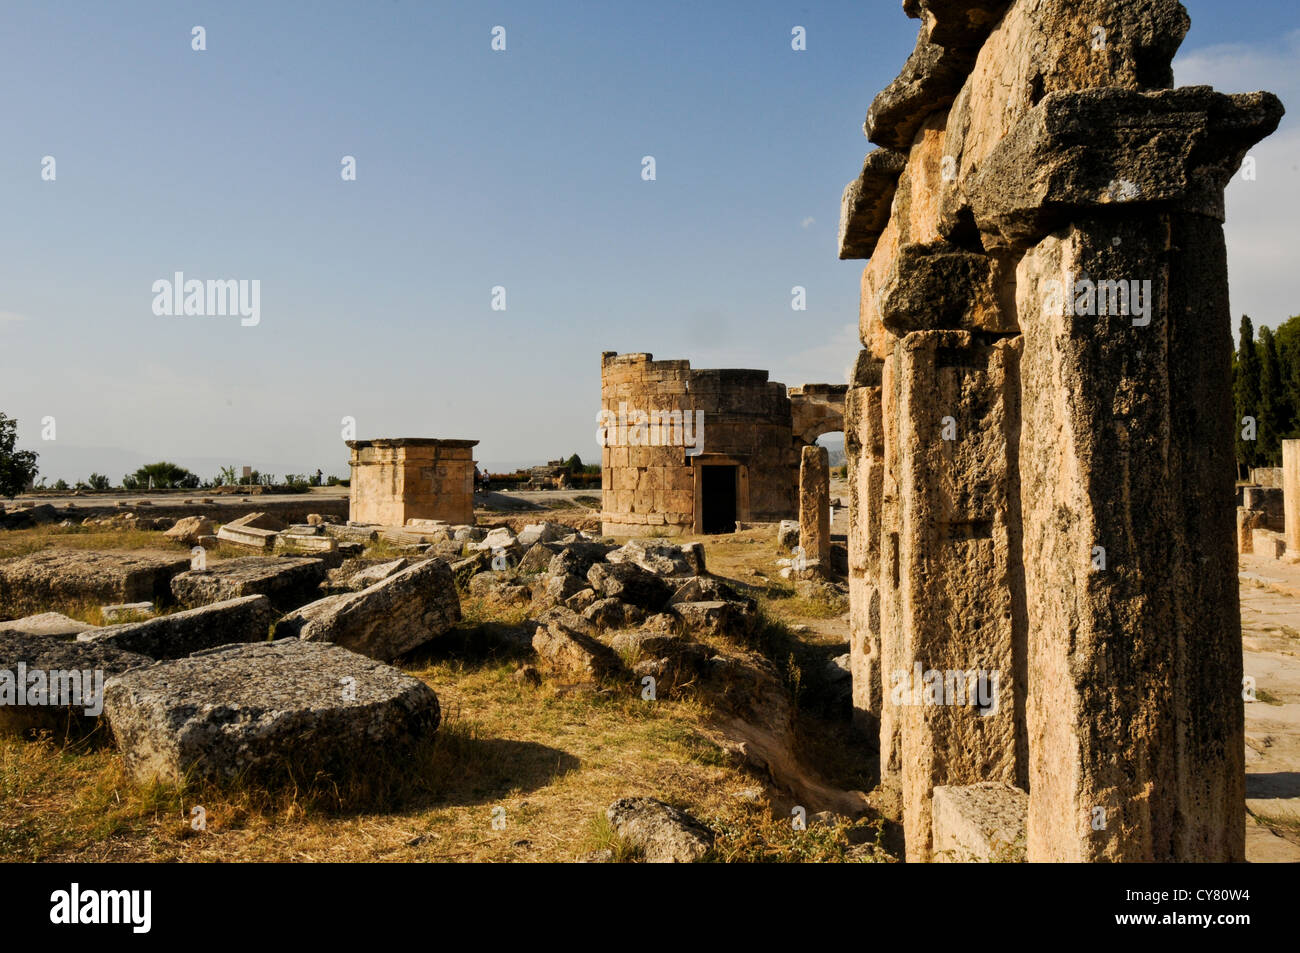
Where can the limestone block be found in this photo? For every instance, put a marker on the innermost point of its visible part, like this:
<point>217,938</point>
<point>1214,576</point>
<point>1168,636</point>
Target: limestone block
<point>979,823</point>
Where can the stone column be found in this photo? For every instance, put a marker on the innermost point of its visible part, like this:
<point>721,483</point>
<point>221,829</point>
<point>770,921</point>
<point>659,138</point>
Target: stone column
<point>953,678</point>
<point>815,507</point>
<point>1291,496</point>
<point>864,445</point>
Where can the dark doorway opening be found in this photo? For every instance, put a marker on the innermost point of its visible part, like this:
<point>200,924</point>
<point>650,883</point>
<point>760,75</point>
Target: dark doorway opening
<point>718,497</point>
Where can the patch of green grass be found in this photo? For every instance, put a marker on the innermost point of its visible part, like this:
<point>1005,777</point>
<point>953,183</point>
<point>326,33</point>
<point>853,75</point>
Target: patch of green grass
<point>602,836</point>
<point>756,839</point>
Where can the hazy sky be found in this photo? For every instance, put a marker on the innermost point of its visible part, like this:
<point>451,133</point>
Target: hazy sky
<point>474,169</point>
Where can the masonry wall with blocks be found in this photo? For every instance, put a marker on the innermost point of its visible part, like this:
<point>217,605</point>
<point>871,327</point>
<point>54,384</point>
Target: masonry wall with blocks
<point>403,478</point>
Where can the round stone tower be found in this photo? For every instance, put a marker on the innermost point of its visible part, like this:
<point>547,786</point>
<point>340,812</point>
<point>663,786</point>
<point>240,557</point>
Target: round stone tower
<point>692,451</point>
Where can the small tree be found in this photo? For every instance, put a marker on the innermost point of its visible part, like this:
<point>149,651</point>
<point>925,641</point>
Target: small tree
<point>97,481</point>
<point>17,467</point>
<point>1246,393</point>
<point>1275,409</point>
<point>161,476</point>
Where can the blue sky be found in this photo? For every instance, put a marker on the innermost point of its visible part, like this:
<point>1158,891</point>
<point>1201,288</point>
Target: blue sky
<point>475,169</point>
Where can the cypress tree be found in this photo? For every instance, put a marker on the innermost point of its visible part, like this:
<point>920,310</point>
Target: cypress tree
<point>1275,410</point>
<point>1246,394</point>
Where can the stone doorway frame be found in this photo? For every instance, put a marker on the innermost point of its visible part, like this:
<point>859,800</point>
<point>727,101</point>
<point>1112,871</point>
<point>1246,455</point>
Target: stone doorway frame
<point>701,460</point>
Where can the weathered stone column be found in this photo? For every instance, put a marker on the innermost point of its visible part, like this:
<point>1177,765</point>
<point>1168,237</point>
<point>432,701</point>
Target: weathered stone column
<point>864,446</point>
<point>1291,496</point>
<point>953,666</point>
<point>815,507</point>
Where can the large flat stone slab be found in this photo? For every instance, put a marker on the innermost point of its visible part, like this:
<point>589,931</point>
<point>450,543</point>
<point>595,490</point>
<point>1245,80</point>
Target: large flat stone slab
<point>101,577</point>
<point>288,582</point>
<point>385,620</point>
<point>246,619</point>
<point>264,712</point>
<point>54,624</point>
<point>47,683</point>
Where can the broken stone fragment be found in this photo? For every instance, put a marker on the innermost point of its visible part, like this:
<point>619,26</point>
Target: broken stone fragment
<point>189,529</point>
<point>787,535</point>
<point>542,533</point>
<point>386,620</point>
<point>664,834</point>
<point>629,583</point>
<point>718,619</point>
<point>270,713</point>
<point>566,643</point>
<point>661,558</point>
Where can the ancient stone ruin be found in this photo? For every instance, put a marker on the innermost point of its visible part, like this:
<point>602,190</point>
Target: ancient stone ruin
<point>697,451</point>
<point>403,478</point>
<point>1040,432</point>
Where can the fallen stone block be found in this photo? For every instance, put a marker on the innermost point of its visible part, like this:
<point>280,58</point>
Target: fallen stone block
<point>612,614</point>
<point>707,589</point>
<point>365,578</point>
<point>661,558</point>
<point>349,531</point>
<point>106,577</point>
<point>567,643</point>
<point>295,538</point>
<point>499,538</point>
<point>561,587</point>
<point>126,612</point>
<point>578,558</point>
<point>269,712</point>
<point>535,533</point>
<point>386,620</point>
<point>53,624</point>
<point>664,834</point>
<point>537,559</point>
<point>249,536</point>
<point>463,570</point>
<point>191,528</point>
<point>715,618</point>
<point>258,521</point>
<point>287,581</point>
<point>29,516</point>
<point>246,619</point>
<point>50,684</point>
<point>979,823</point>
<point>629,583</point>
